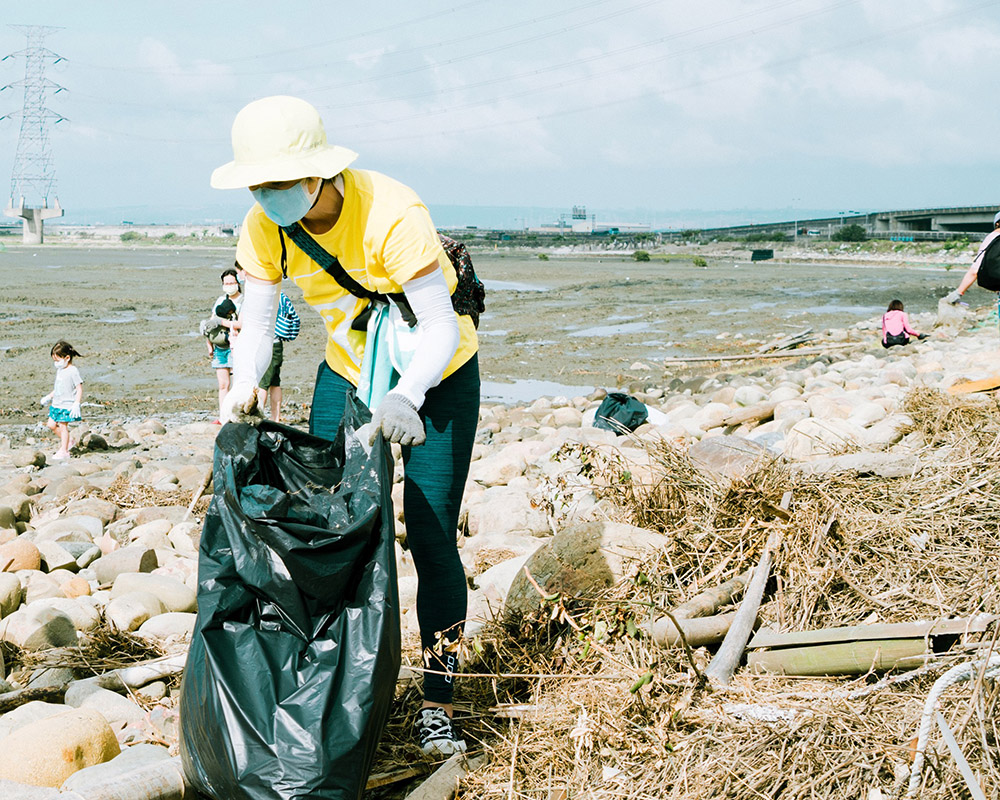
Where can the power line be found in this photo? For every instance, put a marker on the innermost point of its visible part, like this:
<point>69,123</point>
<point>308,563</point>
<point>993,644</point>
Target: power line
<point>507,123</point>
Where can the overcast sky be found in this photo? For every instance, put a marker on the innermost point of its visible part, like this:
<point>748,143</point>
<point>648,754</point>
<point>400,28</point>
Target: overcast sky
<point>616,104</point>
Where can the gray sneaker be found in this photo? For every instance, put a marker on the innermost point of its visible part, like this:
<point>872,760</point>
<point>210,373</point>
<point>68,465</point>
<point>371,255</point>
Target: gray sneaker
<point>437,733</point>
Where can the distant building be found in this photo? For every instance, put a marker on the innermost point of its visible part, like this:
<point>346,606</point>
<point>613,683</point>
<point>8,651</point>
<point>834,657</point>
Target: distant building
<point>579,222</point>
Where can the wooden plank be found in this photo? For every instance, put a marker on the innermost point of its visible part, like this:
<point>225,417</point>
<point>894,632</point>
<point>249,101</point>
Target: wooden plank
<point>969,387</point>
<point>397,775</point>
<point>443,782</point>
<point>843,658</point>
<point>855,633</point>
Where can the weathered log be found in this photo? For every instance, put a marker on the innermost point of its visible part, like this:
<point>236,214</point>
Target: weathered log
<point>11,700</point>
<point>701,606</point>
<point>810,351</point>
<point>758,412</point>
<point>729,654</point>
<point>784,342</point>
<point>697,632</point>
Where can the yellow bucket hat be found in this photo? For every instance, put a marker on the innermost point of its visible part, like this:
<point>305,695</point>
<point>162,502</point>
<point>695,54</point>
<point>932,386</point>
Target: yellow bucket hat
<point>279,138</point>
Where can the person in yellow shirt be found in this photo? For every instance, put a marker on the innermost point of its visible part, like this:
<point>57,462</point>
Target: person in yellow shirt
<point>384,241</point>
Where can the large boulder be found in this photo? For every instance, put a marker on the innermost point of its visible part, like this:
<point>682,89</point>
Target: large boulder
<point>170,624</point>
<point>27,714</point>
<point>130,610</point>
<point>47,752</point>
<point>11,594</point>
<point>104,510</point>
<point>821,437</point>
<point>171,592</point>
<point>134,558</point>
<point>580,559</point>
<point>19,554</point>
<point>115,708</point>
<point>503,510</point>
<point>89,528</point>
<point>148,764</point>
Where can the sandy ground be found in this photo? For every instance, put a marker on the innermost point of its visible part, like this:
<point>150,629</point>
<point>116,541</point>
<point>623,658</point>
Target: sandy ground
<point>556,326</point>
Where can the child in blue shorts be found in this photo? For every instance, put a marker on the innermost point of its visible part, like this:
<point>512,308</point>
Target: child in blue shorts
<point>66,396</point>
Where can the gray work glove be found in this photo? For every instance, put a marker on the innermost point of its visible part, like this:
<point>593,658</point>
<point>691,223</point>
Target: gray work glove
<point>952,297</point>
<point>398,420</point>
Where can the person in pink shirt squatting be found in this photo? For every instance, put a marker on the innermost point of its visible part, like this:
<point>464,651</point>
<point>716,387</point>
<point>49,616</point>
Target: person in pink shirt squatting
<point>896,329</point>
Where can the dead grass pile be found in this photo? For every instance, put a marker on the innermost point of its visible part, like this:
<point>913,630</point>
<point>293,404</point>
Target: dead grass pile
<point>601,711</point>
<point>127,495</point>
<point>104,649</point>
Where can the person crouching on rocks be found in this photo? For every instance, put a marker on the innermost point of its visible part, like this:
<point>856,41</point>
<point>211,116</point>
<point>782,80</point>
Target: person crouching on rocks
<point>66,396</point>
<point>896,329</point>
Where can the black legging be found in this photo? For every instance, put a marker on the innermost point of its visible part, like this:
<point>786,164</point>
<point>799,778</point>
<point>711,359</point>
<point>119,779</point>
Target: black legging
<point>433,483</point>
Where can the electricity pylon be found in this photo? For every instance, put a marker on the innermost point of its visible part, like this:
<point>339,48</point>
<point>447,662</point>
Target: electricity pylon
<point>33,177</point>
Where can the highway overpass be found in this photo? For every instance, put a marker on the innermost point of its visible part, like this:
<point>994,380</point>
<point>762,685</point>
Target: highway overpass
<point>918,223</point>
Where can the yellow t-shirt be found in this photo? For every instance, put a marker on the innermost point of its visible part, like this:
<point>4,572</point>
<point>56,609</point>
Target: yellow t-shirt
<point>383,237</point>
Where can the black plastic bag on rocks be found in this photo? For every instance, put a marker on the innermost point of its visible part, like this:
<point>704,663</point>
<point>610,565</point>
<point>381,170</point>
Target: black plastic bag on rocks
<point>295,653</point>
<point>621,413</point>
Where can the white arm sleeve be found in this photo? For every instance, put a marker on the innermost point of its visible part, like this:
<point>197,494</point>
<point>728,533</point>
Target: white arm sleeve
<point>252,347</point>
<point>428,297</point>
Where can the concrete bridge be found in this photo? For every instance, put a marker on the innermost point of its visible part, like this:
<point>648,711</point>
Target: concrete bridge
<point>920,223</point>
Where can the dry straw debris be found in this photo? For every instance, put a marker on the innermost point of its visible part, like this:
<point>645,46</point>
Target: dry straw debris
<point>597,710</point>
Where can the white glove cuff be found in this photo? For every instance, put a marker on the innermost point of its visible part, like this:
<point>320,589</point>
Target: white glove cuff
<point>431,303</point>
<point>252,346</point>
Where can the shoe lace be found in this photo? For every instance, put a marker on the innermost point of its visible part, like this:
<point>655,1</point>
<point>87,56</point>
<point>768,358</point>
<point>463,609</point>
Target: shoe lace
<point>435,723</point>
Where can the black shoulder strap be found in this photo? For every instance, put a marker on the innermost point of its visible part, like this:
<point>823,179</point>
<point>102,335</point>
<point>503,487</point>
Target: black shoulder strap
<point>333,268</point>
<point>327,261</point>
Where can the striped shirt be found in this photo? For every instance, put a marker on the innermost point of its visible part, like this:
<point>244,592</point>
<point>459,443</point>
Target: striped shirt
<point>286,326</point>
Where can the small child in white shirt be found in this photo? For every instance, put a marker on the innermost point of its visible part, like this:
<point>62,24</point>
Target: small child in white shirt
<point>66,396</point>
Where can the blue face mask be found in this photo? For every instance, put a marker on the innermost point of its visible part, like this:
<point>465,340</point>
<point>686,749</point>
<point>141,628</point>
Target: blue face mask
<point>287,206</point>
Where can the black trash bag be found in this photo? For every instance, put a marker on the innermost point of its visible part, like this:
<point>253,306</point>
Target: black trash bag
<point>295,652</point>
<point>621,413</point>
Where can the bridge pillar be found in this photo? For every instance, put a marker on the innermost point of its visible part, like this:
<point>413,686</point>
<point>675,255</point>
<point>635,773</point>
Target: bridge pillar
<point>32,231</point>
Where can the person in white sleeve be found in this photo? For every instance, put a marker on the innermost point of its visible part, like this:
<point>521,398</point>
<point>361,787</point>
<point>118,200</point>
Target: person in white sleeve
<point>375,237</point>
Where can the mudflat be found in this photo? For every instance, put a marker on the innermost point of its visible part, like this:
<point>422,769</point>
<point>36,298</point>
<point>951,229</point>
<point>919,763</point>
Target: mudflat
<point>556,326</point>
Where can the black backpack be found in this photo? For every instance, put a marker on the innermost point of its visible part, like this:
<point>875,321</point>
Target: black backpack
<point>988,276</point>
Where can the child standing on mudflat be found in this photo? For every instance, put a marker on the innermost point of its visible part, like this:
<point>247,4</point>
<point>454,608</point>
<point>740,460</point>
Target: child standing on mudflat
<point>66,396</point>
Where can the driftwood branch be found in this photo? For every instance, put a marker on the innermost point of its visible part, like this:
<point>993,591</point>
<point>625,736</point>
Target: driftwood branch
<point>808,351</point>
<point>11,700</point>
<point>728,657</point>
<point>197,494</point>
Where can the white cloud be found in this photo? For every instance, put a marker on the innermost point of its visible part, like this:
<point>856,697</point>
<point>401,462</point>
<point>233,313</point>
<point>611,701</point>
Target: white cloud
<point>197,76</point>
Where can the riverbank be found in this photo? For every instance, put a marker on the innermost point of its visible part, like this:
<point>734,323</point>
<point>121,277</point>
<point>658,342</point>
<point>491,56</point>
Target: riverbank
<point>566,325</point>
<point>105,538</point>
